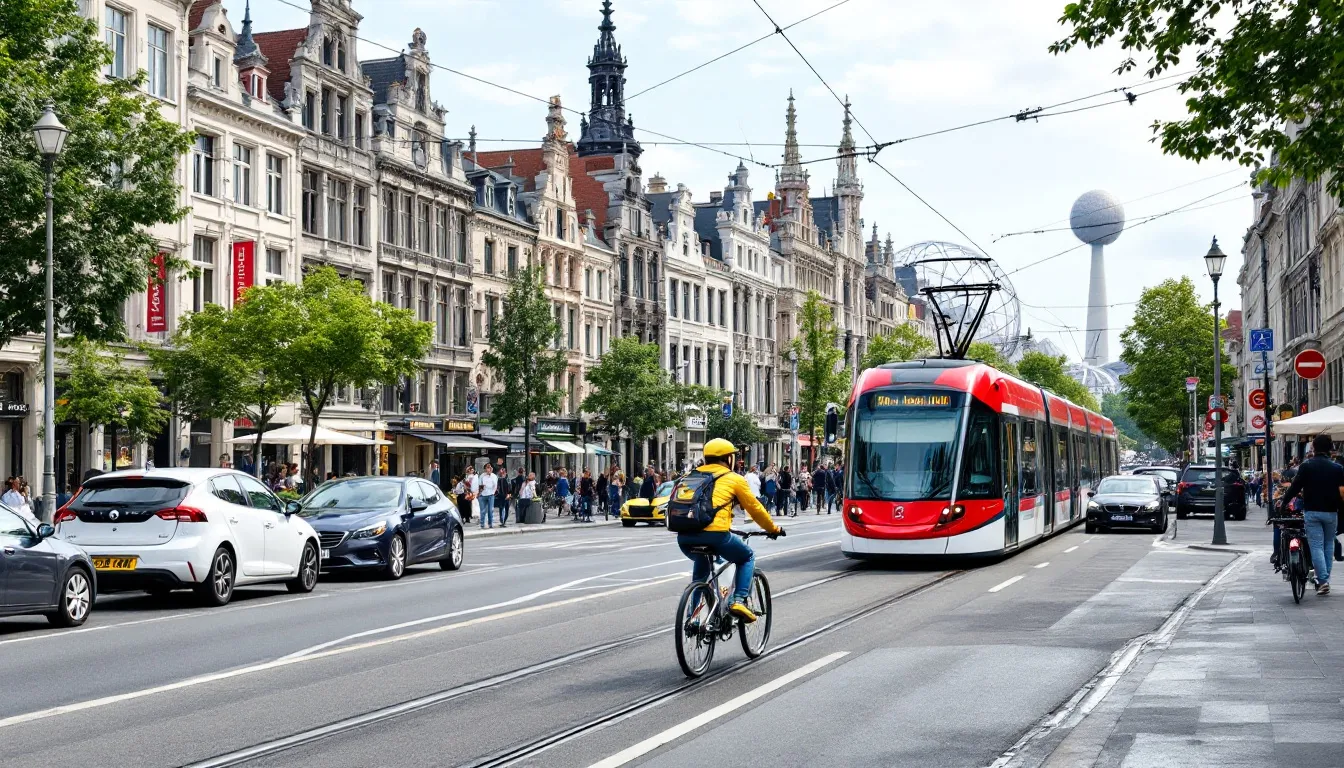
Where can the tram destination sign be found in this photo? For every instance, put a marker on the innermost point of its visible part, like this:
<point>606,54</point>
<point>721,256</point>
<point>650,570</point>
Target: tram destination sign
<point>913,400</point>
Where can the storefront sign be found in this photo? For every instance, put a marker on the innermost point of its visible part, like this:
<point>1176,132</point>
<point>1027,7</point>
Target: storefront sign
<point>244,423</point>
<point>156,303</point>
<point>425,425</point>
<point>557,427</point>
<point>10,409</point>
<point>695,422</point>
<point>244,254</point>
<point>459,425</point>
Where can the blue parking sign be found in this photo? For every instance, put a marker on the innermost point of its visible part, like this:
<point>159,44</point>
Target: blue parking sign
<point>1262,339</point>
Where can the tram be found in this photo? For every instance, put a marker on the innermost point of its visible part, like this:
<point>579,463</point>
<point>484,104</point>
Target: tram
<point>953,457</point>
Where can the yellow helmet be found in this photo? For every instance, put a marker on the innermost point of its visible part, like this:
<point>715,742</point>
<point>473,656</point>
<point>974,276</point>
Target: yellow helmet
<point>719,447</point>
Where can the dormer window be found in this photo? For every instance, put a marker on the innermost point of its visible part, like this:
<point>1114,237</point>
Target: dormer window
<point>340,55</point>
<point>489,193</point>
<point>421,92</point>
<point>217,72</point>
<point>511,206</point>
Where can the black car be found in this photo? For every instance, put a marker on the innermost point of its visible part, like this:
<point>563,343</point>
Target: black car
<point>1127,501</point>
<point>384,523</point>
<point>1170,475</point>
<point>1195,492</point>
<point>42,574</point>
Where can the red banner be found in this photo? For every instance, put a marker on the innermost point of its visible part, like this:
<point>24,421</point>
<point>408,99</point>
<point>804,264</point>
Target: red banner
<point>156,305</point>
<point>244,254</point>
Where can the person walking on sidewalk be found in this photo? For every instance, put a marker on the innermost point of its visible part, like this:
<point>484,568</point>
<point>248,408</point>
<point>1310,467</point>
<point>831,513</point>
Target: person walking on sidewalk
<point>586,496</point>
<point>527,491</point>
<point>785,494</point>
<point>821,483</point>
<point>804,491</point>
<point>462,496</point>
<point>1320,481</point>
<point>486,499</point>
<point>562,491</point>
<point>754,482</point>
<point>600,491</point>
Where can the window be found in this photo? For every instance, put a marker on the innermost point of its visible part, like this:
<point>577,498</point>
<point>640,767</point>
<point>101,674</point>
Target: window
<point>460,316</point>
<point>326,111</point>
<point>685,301</point>
<point>157,82</point>
<point>408,221</point>
<point>361,216</point>
<point>560,225</point>
<point>488,258</point>
<point>639,275</point>
<point>203,166</point>
<point>338,200</point>
<point>275,184</point>
<point>389,216</point>
<point>601,339</point>
<point>359,129</point>
<point>242,174</point>
<point>723,304</point>
<point>489,193</point>
<point>340,55</point>
<point>424,301</point>
<point>390,289</point>
<point>588,282</point>
<point>491,309</point>
<point>421,92</point>
<point>203,284</point>
<point>309,110</point>
<point>460,229</point>
<point>672,291</point>
<point>407,292</point>
<point>422,241</point>
<point>601,281</point>
<point>697,303</point>
<point>342,104</point>
<point>588,339</point>
<point>225,488</point>
<point>328,51</point>
<point>275,263</point>
<point>311,197</point>
<point>114,34</point>
<point>512,260</point>
<point>573,336</point>
<point>769,318</point>
<point>217,73</point>
<point>441,403</point>
<point>441,311</point>
<point>1031,462</point>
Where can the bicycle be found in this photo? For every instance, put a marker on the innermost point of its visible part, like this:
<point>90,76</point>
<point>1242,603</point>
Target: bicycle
<point>703,618</point>
<point>1294,553</point>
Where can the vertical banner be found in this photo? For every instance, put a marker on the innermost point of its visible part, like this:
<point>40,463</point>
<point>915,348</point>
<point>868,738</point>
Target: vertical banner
<point>156,314</point>
<point>244,254</point>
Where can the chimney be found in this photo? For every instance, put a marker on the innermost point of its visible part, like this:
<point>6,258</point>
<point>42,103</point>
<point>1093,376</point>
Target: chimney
<point>657,184</point>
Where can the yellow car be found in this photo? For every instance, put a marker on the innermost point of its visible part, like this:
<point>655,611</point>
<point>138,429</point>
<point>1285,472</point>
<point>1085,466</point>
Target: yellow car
<point>642,511</point>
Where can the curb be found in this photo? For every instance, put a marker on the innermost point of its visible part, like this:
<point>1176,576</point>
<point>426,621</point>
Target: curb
<point>1215,548</point>
<point>473,532</point>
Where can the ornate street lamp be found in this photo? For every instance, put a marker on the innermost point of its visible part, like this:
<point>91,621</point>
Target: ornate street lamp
<point>50,135</point>
<point>1214,260</point>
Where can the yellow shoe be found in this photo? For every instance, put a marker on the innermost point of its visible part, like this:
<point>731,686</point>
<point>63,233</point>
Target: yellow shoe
<point>741,611</point>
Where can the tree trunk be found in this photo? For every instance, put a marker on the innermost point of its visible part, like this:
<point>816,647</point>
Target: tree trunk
<point>527,447</point>
<point>312,447</point>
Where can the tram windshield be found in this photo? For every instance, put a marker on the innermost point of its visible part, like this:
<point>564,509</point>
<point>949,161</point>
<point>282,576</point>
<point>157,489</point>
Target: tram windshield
<point>903,446</point>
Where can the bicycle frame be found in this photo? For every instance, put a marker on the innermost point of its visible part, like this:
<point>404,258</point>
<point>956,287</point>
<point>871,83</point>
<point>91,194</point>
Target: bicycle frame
<point>718,608</point>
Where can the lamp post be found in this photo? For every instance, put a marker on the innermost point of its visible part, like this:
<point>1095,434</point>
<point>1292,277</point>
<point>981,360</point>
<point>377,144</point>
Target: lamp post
<point>793,432</point>
<point>50,135</point>
<point>1214,260</point>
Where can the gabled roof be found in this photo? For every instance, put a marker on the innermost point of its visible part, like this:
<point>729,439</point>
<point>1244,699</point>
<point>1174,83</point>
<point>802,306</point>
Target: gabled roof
<point>527,163</point>
<point>198,14</point>
<point>383,73</point>
<point>825,212</point>
<point>589,194</point>
<point>707,227</point>
<point>278,48</point>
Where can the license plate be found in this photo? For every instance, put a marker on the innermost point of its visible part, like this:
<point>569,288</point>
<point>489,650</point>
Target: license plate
<point>104,563</point>
<point>1122,518</point>
<point>326,554</point>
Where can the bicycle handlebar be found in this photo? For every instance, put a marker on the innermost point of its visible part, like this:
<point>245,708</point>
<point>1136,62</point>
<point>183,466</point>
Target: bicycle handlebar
<point>749,534</point>
<point>1284,520</point>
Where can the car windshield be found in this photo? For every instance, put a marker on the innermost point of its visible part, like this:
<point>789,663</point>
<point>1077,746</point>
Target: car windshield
<point>664,490</point>
<point>1165,474</point>
<point>904,444</point>
<point>1126,485</point>
<point>354,494</point>
<point>1205,475</point>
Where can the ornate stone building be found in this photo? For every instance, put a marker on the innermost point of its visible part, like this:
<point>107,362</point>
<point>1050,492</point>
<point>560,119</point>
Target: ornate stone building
<point>888,306</point>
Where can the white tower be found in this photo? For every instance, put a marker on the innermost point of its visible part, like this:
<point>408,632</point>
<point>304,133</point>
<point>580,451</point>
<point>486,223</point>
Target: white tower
<point>1097,219</point>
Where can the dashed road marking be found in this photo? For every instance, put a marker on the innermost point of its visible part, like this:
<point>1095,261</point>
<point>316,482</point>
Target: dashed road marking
<point>1070,549</point>
<point>1041,565</point>
<point>1006,584</point>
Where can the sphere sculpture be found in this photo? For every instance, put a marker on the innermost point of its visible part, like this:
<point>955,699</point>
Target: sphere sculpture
<point>1097,219</point>
<point>942,265</point>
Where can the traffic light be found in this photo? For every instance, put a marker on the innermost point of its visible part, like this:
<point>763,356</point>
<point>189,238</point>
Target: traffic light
<point>832,423</point>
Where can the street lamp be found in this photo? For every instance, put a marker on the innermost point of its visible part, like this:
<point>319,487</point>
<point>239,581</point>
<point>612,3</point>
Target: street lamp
<point>1214,260</point>
<point>793,432</point>
<point>49,134</point>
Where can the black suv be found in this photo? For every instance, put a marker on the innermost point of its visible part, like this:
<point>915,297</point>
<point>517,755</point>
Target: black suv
<point>1195,492</point>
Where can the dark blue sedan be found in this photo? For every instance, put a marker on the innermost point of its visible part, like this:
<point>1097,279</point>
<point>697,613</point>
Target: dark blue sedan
<point>42,574</point>
<point>384,524</point>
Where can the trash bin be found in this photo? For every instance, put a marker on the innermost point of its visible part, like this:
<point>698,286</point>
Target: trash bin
<point>536,513</point>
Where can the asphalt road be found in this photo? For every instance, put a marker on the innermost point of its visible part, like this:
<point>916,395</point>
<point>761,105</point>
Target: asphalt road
<point>554,649</point>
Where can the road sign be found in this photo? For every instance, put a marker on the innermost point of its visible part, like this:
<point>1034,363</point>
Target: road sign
<point>1262,339</point>
<point>1309,363</point>
<point>1257,399</point>
<point>727,407</point>
<point>1258,421</point>
<point>1215,401</point>
<point>1191,382</point>
<point>1263,368</point>
<point>1217,415</point>
<point>1208,424</point>
<point>793,420</point>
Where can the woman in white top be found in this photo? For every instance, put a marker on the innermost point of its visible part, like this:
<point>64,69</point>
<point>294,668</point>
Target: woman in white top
<point>15,500</point>
<point>526,493</point>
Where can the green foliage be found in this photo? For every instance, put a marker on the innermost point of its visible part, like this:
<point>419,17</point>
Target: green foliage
<point>1260,66</point>
<point>700,397</point>
<point>821,379</point>
<point>520,354</point>
<point>989,355</point>
<point>1171,338</point>
<point>1047,371</point>
<point>103,390</point>
<point>631,391</point>
<point>900,345</point>
<point>739,429</point>
<point>115,178</point>
<point>1115,406</point>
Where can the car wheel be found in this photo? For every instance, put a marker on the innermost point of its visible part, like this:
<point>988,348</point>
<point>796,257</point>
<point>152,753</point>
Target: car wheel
<point>396,558</point>
<point>628,523</point>
<point>1089,527</point>
<point>217,589</point>
<point>455,552</point>
<point>76,599</point>
<point>1181,514</point>
<point>308,565</point>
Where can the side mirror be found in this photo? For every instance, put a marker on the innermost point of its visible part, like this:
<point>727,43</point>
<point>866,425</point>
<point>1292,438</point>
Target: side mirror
<point>1091,493</point>
<point>417,505</point>
<point>293,508</point>
<point>45,531</point>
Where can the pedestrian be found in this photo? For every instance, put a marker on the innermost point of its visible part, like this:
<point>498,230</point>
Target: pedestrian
<point>782,503</point>
<point>485,500</point>
<point>225,462</point>
<point>821,480</point>
<point>769,487</point>
<point>245,464</point>
<point>833,498</point>
<point>562,492</point>
<point>515,488</point>
<point>434,473</point>
<point>462,497</point>
<point>502,496</point>
<point>527,491</point>
<point>803,491</point>
<point>473,481</point>
<point>14,499</point>
<point>600,492</point>
<point>650,485</point>
<point>586,491</point>
<point>615,491</point>
<point>1320,482</point>
<point>754,482</point>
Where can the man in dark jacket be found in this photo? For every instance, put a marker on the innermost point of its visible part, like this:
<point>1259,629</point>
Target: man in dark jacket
<point>646,491</point>
<point>784,496</point>
<point>821,484</point>
<point>1321,483</point>
<point>837,482</point>
<point>515,485</point>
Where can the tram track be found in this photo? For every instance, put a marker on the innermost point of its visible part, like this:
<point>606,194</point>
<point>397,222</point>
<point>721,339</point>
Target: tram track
<point>519,752</point>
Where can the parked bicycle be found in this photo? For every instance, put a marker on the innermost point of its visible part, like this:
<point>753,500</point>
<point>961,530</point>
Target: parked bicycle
<point>703,618</point>
<point>1294,560</point>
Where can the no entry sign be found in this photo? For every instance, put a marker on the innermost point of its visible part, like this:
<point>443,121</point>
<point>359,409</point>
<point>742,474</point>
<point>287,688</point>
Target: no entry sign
<point>1309,363</point>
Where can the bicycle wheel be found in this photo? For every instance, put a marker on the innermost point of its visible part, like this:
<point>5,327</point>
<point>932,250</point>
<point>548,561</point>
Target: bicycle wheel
<point>756,634</point>
<point>695,644</point>
<point>1297,576</point>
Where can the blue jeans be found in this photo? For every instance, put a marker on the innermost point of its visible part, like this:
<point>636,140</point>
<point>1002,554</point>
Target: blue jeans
<point>1321,529</point>
<point>503,503</point>
<point>727,546</point>
<point>487,509</point>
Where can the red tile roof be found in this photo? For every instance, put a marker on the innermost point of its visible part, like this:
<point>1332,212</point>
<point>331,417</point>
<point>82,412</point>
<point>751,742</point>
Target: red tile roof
<point>279,47</point>
<point>527,163</point>
<point>589,193</point>
<point>198,10</point>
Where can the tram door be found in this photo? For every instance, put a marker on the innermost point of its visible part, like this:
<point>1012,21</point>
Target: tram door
<point>1010,480</point>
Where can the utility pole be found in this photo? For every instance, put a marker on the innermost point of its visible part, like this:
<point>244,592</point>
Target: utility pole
<point>1268,481</point>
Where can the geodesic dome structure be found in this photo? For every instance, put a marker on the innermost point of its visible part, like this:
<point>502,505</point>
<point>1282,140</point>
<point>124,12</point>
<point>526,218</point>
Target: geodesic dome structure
<point>944,267</point>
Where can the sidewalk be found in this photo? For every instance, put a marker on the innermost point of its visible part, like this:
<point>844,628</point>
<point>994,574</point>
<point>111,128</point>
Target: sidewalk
<point>1249,679</point>
<point>553,523</point>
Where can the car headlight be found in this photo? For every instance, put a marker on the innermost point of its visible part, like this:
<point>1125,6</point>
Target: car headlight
<point>1151,506</point>
<point>370,531</point>
<point>1091,505</point>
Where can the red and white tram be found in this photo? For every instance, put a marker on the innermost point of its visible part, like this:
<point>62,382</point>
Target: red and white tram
<point>952,457</point>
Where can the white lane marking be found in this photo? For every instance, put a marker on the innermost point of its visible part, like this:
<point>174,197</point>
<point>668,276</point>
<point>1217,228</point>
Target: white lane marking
<point>1070,549</point>
<point>1006,584</point>
<point>704,718</point>
<point>1161,581</point>
<point>1041,565</point>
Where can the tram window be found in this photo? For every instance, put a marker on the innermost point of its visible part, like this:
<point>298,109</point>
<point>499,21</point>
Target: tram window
<point>1031,460</point>
<point>1098,469</point>
<point>1061,459</point>
<point>1080,456</point>
<point>979,467</point>
<point>903,446</point>
<point>1011,429</point>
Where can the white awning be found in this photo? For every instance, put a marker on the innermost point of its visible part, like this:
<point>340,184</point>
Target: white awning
<point>1329,420</point>
<point>461,442</point>
<point>564,446</point>
<point>299,433</point>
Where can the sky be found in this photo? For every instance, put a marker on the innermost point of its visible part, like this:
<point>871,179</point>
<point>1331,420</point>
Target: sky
<point>908,68</point>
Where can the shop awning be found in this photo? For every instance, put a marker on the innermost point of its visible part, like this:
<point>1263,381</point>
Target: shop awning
<point>455,442</point>
<point>598,450</point>
<point>299,433</point>
<point>564,446</point>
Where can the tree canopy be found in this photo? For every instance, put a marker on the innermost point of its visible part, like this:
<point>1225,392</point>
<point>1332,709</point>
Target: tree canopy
<point>1115,406</point>
<point>115,179</point>
<point>904,343</point>
<point>103,390</point>
<point>630,390</point>
<point>1267,87</point>
<point>990,355</point>
<point>821,378</point>
<point>1050,372</point>
<point>1170,338</point>
<point>739,429</point>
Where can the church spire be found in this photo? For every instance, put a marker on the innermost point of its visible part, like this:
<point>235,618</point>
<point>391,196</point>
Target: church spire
<point>847,140</point>
<point>792,158</point>
<point>245,46</point>
<point>608,131</point>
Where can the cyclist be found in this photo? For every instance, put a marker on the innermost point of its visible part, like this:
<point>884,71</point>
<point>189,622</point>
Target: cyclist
<point>729,488</point>
<point>1321,483</point>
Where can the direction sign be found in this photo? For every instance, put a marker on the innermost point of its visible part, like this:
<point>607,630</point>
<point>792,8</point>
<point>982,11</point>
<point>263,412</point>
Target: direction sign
<point>1262,339</point>
<point>1257,400</point>
<point>1191,382</point>
<point>1258,421</point>
<point>1263,368</point>
<point>1309,363</point>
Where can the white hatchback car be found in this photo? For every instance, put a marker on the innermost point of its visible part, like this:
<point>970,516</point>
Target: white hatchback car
<point>205,529</point>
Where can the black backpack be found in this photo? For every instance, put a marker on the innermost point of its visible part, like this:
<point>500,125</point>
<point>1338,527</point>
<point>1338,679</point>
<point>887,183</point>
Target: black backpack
<point>691,507</point>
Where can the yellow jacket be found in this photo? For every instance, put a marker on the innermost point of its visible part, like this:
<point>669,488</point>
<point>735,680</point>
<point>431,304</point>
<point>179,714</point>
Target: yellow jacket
<point>732,488</point>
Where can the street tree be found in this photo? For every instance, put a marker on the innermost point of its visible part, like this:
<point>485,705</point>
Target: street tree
<point>1170,338</point>
<point>1049,371</point>
<point>341,337</point>
<point>631,392</point>
<point>522,355</point>
<point>739,428</point>
<point>902,344</point>
<point>232,363</point>
<point>1115,406</point>
<point>990,355</point>
<point>822,377</point>
<point>116,177</point>
<point>100,388</point>
<point>1265,87</point>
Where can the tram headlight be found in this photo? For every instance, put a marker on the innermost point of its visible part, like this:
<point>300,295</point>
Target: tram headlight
<point>855,514</point>
<point>951,514</point>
